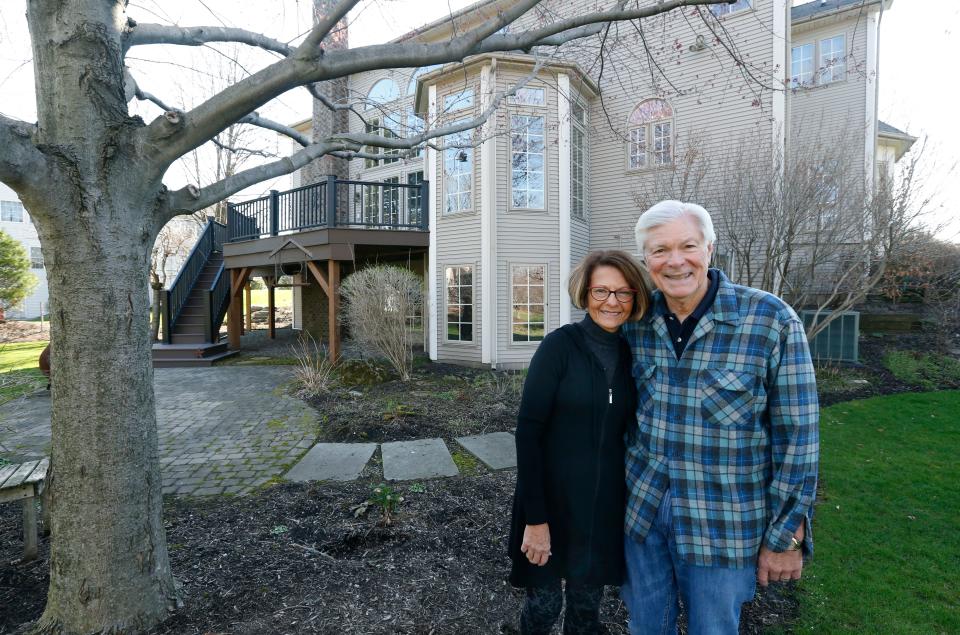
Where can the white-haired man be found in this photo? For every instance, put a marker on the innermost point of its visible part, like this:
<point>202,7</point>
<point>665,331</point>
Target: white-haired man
<point>721,467</point>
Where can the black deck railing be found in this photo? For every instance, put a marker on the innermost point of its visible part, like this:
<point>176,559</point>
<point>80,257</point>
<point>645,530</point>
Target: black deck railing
<point>356,204</point>
<point>217,300</point>
<point>175,298</point>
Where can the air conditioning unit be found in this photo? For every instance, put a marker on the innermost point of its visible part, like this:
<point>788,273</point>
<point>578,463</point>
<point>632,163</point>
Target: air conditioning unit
<point>838,342</point>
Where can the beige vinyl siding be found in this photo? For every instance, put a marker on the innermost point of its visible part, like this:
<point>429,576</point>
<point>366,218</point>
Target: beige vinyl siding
<point>525,237</point>
<point>834,113</point>
<point>458,235</point>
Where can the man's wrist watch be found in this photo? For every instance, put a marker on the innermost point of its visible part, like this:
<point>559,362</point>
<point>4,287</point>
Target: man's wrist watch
<point>795,545</point>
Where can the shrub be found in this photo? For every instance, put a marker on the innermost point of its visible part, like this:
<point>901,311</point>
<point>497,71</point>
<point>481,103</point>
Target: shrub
<point>314,372</point>
<point>378,302</point>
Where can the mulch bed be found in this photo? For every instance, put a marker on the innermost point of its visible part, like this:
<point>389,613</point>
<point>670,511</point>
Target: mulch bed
<point>294,558</point>
<point>440,400</point>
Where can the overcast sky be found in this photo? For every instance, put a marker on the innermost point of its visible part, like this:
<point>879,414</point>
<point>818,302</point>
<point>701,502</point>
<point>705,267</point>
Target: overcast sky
<point>917,41</point>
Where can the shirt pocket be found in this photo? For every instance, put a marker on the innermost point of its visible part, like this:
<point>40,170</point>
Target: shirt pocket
<point>729,398</point>
<point>644,374</point>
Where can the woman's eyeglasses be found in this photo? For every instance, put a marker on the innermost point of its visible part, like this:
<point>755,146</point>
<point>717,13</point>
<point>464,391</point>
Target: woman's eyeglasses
<point>600,294</point>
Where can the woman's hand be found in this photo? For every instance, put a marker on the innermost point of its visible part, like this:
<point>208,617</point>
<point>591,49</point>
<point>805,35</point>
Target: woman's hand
<point>536,543</point>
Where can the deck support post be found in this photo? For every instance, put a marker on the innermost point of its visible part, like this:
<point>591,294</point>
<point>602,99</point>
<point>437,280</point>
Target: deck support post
<point>272,307</point>
<point>29,529</point>
<point>248,296</point>
<point>333,307</point>
<point>238,278</point>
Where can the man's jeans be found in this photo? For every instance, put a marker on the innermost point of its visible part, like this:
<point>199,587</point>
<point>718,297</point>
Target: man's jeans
<point>656,577</point>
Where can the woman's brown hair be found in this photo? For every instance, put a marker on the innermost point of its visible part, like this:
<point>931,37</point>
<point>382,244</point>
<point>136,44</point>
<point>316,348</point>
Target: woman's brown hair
<point>579,285</point>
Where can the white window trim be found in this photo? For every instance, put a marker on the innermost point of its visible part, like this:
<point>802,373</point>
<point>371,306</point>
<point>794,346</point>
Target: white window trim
<point>742,10</point>
<point>546,303</point>
<point>522,112</point>
<point>474,342</point>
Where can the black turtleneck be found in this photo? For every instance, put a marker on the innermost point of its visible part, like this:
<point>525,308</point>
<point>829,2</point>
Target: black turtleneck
<point>603,344</point>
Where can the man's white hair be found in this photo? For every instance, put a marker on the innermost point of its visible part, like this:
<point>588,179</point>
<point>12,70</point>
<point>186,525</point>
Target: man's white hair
<point>667,211</point>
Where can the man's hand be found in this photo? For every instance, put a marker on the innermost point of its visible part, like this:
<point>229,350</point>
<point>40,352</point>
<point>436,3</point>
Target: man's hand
<point>536,543</point>
<point>778,567</point>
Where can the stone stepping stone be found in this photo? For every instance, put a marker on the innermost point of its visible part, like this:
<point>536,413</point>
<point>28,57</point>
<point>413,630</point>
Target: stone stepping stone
<point>497,450</point>
<point>332,462</point>
<point>412,460</point>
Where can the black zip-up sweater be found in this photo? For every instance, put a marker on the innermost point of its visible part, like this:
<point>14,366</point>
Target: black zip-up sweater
<point>570,462</point>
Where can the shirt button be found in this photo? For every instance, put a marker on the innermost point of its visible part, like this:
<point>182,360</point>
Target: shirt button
<point>679,339</point>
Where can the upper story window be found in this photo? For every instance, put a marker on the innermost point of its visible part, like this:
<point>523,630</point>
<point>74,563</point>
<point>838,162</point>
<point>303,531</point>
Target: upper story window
<point>822,62</point>
<point>530,97</point>
<point>457,173</point>
<point>578,161</point>
<point>383,92</point>
<point>722,9</point>
<point>650,132</point>
<point>833,59</point>
<point>11,211</point>
<point>801,65</point>
<point>458,101</point>
<point>527,153</point>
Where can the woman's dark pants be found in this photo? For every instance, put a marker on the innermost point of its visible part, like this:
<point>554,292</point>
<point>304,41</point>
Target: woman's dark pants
<point>543,605</point>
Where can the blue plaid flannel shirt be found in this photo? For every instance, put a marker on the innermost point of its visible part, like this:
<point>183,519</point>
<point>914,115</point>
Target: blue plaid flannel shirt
<point>731,428</point>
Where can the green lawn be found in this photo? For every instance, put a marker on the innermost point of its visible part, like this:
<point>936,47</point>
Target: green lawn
<point>282,296</point>
<point>887,523</point>
<point>18,369</point>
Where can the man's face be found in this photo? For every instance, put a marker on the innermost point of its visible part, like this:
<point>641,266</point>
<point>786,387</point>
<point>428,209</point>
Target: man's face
<point>677,259</point>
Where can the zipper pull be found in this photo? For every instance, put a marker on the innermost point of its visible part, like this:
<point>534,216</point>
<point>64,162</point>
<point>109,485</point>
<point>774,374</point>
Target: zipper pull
<point>611,394</point>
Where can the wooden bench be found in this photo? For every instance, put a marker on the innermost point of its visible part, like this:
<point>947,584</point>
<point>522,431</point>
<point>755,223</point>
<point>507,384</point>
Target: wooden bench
<point>24,481</point>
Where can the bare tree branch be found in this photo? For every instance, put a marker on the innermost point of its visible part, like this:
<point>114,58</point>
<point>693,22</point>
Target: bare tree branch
<point>22,164</point>
<point>254,119</point>
<point>143,34</point>
<point>327,24</point>
<point>173,137</point>
<point>192,198</point>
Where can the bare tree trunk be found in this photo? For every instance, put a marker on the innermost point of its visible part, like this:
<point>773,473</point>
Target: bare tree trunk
<point>97,219</point>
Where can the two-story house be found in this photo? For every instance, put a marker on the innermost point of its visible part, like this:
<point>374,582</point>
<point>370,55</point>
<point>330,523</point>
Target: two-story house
<point>496,218</point>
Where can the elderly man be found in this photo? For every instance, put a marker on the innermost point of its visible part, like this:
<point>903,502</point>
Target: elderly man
<point>721,467</point>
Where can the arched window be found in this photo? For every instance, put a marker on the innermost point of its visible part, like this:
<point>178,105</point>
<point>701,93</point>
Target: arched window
<point>650,133</point>
<point>423,70</point>
<point>383,92</point>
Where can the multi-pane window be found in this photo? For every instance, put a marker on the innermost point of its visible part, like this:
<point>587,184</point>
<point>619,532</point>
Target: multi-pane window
<point>650,135</point>
<point>578,161</point>
<point>457,173</point>
<point>36,258</point>
<point>11,211</point>
<point>415,198</point>
<point>530,97</point>
<point>526,161</point>
<point>458,101</point>
<point>528,307</point>
<point>376,126</point>
<point>423,70</point>
<point>381,204</point>
<point>722,9</point>
<point>832,59</point>
<point>459,281</point>
<point>801,65</point>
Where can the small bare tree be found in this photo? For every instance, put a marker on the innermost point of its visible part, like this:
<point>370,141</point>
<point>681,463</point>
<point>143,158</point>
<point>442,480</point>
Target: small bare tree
<point>378,304</point>
<point>806,224</point>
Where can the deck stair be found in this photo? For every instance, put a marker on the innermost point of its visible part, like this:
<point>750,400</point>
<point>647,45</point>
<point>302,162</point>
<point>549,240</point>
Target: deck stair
<point>195,305</point>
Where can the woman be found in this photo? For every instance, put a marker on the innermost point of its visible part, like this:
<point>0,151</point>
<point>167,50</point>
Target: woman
<point>577,399</point>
